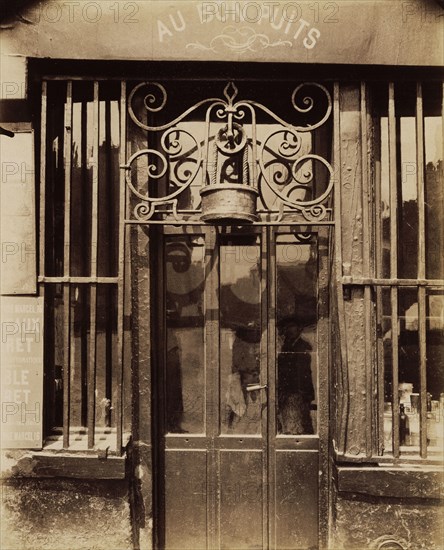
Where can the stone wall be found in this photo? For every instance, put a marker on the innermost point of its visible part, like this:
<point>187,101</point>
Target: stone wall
<point>51,514</point>
<point>364,522</point>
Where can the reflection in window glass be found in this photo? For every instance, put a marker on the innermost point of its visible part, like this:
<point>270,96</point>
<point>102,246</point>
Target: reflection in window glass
<point>55,175</point>
<point>54,356</point>
<point>386,326</point>
<point>296,307</point>
<point>434,184</point>
<point>409,372</point>
<point>108,156</point>
<point>79,348</point>
<point>185,395</point>
<point>435,369</point>
<point>106,355</point>
<point>405,96</point>
<point>240,334</point>
<point>81,178</point>
<point>385,200</point>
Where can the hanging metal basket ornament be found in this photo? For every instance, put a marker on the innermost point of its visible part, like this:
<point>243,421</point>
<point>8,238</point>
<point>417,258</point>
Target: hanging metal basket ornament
<point>229,203</point>
<point>243,178</point>
<point>222,200</point>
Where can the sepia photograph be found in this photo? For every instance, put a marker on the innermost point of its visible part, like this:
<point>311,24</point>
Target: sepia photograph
<point>222,275</point>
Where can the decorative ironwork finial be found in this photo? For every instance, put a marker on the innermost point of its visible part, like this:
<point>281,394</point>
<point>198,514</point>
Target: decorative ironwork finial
<point>230,92</point>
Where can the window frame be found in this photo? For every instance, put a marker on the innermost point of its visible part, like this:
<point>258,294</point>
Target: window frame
<point>372,282</point>
<point>89,439</point>
<point>369,282</point>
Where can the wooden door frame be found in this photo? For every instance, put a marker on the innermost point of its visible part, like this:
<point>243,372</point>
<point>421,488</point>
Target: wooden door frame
<point>323,353</point>
<point>211,345</point>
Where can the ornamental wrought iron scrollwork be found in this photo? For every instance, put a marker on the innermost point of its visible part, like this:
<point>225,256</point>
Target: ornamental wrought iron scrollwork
<point>278,167</point>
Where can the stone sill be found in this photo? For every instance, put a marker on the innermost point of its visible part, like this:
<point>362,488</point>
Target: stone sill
<point>41,464</point>
<point>392,481</point>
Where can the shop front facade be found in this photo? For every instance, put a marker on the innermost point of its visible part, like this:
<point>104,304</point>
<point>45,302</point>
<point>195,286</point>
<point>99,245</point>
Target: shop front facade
<point>222,252</point>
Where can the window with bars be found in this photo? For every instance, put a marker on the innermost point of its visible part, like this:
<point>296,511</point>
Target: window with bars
<point>80,266</point>
<point>408,288</point>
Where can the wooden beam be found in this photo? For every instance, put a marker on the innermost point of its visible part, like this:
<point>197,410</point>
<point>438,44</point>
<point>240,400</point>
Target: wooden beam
<point>79,466</point>
<point>392,482</point>
<point>43,178</point>
<point>367,238</point>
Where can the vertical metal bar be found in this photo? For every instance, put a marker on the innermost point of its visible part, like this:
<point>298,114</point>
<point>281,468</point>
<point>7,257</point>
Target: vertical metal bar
<point>393,262</point>
<point>67,160</point>
<point>254,177</point>
<point>206,149</point>
<point>393,183</point>
<point>423,371</point>
<point>95,182</point>
<point>67,154</point>
<point>66,362</point>
<point>111,266</point>
<point>366,272</point>
<point>118,406</point>
<point>91,376</point>
<point>91,373</point>
<point>421,270</point>
<point>420,181</point>
<point>42,193</point>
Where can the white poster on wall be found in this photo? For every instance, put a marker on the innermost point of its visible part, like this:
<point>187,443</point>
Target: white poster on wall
<point>18,222</point>
<point>21,372</point>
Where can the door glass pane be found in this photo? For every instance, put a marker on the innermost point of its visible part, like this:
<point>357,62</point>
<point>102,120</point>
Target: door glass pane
<point>296,335</point>
<point>185,393</point>
<point>240,334</point>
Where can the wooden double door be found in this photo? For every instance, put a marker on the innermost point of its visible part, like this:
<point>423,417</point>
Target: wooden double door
<point>240,376</point>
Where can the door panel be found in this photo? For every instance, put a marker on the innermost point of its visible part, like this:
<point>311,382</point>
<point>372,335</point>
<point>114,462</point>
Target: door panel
<point>238,449</point>
<point>186,499</point>
<point>296,522</point>
<point>241,503</point>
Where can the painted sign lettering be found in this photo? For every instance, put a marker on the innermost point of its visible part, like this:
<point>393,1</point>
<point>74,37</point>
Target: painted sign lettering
<point>21,372</point>
<point>241,26</point>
